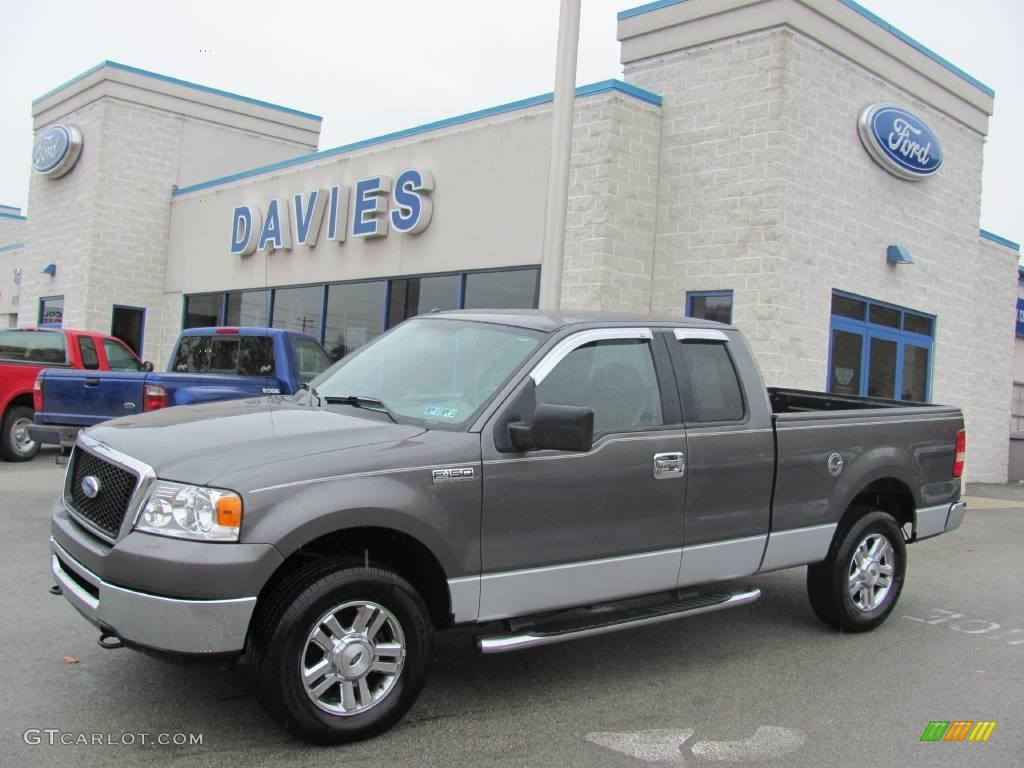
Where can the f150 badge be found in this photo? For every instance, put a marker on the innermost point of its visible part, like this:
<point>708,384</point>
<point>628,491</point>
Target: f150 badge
<point>456,475</point>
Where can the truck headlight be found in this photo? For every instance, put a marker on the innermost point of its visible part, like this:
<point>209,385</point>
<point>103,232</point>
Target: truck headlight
<point>191,512</point>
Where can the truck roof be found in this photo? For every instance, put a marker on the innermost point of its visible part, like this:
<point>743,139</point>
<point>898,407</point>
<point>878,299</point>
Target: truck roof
<point>549,322</point>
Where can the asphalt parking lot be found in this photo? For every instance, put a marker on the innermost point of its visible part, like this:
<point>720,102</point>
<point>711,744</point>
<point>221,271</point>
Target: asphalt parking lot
<point>766,684</point>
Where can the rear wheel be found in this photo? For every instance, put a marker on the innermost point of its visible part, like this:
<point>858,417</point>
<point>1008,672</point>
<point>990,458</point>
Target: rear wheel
<point>856,587</point>
<point>342,652</point>
<point>15,442</point>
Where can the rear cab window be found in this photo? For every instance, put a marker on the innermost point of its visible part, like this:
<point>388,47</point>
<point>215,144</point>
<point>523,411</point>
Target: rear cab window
<point>233,355</point>
<point>38,347</point>
<point>87,350</point>
<point>709,384</point>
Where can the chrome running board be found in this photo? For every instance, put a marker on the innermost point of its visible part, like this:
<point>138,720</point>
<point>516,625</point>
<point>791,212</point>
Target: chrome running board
<point>555,631</point>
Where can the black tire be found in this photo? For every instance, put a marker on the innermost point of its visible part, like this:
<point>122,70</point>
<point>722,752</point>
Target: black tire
<point>11,447</point>
<point>280,645</point>
<point>829,583</point>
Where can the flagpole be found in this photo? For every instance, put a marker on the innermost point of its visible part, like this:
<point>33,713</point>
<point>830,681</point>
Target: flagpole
<point>553,253</point>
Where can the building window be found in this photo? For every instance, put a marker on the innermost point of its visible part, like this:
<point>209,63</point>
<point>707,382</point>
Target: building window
<point>710,305</point>
<point>51,310</point>
<point>202,311</point>
<point>515,289</point>
<point>299,309</point>
<point>419,295</point>
<point>1017,408</point>
<point>879,350</point>
<point>247,308</point>
<point>358,312</point>
<point>355,315</point>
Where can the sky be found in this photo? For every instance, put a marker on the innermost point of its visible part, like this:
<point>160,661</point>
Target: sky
<point>373,68</point>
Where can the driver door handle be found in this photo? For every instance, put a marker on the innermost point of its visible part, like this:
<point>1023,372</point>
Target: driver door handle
<point>669,465</point>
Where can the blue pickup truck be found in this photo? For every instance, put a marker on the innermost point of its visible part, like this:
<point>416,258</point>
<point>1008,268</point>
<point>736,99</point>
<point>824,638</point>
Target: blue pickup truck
<point>207,364</point>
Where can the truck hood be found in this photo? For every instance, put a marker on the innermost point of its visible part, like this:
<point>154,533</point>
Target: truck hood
<point>198,443</point>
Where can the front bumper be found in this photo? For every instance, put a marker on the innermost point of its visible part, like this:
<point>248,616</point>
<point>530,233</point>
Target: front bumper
<point>931,521</point>
<point>161,623</point>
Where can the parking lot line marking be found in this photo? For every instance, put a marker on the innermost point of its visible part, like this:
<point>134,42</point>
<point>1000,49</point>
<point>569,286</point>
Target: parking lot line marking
<point>767,743</point>
<point>664,745</point>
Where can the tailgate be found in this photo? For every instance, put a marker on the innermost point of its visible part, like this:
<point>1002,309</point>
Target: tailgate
<point>83,398</point>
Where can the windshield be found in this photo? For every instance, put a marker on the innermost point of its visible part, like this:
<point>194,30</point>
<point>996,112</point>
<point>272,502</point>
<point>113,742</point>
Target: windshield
<point>433,372</point>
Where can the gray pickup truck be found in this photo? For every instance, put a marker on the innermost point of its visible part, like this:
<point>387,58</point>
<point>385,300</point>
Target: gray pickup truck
<point>543,476</point>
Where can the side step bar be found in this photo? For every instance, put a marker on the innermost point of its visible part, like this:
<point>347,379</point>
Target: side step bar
<point>547,633</point>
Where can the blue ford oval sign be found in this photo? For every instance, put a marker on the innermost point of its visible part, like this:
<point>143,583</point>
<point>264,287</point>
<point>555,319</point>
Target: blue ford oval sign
<point>56,150</point>
<point>899,141</point>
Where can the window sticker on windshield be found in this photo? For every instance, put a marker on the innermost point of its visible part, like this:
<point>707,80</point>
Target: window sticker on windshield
<point>442,413</point>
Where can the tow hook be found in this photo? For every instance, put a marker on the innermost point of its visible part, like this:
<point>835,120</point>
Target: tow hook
<point>55,590</point>
<point>109,641</point>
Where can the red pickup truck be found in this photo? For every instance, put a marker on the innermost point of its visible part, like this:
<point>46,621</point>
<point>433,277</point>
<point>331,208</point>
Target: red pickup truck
<point>25,352</point>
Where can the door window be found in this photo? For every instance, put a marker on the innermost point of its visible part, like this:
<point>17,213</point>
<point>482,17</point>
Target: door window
<point>119,358</point>
<point>311,359</point>
<point>615,378</point>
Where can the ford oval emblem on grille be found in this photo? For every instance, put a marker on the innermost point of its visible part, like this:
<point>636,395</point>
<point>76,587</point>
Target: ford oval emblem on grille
<point>91,486</point>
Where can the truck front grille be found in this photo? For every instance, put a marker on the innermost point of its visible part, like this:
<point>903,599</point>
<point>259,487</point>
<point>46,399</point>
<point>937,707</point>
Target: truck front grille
<point>106,509</point>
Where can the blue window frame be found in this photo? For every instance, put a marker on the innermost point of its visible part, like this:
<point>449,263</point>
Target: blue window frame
<point>879,350</point>
<point>398,298</point>
<point>710,305</point>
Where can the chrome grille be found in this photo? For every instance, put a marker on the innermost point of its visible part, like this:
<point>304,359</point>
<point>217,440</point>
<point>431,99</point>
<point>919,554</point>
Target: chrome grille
<point>107,508</point>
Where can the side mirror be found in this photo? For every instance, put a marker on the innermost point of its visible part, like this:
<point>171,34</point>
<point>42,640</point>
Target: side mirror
<point>147,367</point>
<point>555,427</point>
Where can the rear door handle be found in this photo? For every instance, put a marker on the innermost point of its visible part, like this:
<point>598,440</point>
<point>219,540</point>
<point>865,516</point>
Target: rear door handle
<point>669,465</point>
<point>91,382</point>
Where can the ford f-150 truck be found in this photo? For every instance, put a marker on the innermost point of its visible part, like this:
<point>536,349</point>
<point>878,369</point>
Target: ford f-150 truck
<point>25,352</point>
<point>207,364</point>
<point>544,476</point>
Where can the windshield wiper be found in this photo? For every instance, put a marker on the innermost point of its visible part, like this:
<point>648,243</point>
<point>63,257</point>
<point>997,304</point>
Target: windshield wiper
<point>312,392</point>
<point>362,401</point>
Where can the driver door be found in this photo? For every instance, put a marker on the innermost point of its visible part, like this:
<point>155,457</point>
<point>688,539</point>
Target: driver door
<point>561,528</point>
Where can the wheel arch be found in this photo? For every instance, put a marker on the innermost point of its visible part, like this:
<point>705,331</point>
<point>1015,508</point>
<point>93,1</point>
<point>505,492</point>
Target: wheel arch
<point>382,546</point>
<point>884,491</point>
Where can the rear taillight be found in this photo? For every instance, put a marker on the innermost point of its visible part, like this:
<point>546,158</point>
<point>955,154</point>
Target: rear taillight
<point>961,453</point>
<point>154,397</point>
<point>37,394</point>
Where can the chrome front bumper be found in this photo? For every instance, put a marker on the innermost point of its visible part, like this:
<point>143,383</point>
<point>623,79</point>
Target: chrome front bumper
<point>931,521</point>
<point>161,623</point>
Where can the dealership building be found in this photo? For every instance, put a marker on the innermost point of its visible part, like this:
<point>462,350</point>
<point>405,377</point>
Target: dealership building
<point>799,168</point>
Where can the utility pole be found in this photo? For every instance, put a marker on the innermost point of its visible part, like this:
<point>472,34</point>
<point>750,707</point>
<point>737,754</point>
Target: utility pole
<point>553,254</point>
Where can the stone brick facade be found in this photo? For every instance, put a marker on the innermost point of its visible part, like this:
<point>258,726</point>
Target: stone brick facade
<point>613,187</point>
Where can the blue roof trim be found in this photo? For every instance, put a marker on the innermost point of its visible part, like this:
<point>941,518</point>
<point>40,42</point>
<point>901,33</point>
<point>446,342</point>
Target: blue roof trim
<point>583,90</point>
<point>872,17</point>
<point>15,216</point>
<point>10,209</point>
<point>997,239</point>
<point>631,12</point>
<point>11,247</point>
<point>176,81</point>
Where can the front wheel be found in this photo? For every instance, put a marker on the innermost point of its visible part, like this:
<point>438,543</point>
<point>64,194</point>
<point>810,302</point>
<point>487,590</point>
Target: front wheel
<point>15,442</point>
<point>344,653</point>
<point>856,587</point>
